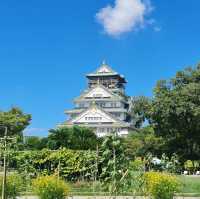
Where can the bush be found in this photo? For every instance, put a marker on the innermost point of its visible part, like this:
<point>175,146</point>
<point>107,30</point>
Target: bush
<point>13,186</point>
<point>160,185</point>
<point>50,187</point>
<point>192,166</point>
<point>74,165</point>
<point>137,164</point>
<point>188,165</point>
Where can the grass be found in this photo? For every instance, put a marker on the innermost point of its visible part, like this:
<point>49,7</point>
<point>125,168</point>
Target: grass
<point>86,188</point>
<point>191,187</point>
<point>191,184</point>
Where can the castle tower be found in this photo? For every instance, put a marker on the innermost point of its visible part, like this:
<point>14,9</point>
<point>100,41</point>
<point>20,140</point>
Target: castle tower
<point>107,77</point>
<point>103,106</point>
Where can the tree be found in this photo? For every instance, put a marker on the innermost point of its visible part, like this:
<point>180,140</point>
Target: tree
<point>139,107</point>
<point>35,143</point>
<point>60,137</point>
<point>140,143</point>
<point>78,138</point>
<point>174,113</point>
<point>13,123</point>
<point>15,120</point>
<point>83,138</point>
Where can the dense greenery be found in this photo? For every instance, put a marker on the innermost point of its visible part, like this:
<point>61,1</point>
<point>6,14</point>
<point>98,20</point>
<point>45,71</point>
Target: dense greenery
<point>34,143</point>
<point>174,113</point>
<point>70,164</point>
<point>113,163</point>
<point>78,138</point>
<point>139,106</point>
<point>15,121</point>
<point>140,143</point>
<point>14,186</point>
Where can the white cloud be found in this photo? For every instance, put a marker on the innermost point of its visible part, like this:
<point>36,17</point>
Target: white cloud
<point>124,16</point>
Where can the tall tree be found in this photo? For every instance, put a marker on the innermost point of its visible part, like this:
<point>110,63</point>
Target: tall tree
<point>139,107</point>
<point>175,113</point>
<point>15,120</point>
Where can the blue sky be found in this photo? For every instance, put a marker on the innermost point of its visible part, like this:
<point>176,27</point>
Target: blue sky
<point>46,48</point>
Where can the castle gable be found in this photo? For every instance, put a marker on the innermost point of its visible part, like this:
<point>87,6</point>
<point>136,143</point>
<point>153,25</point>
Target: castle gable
<point>94,115</point>
<point>98,92</point>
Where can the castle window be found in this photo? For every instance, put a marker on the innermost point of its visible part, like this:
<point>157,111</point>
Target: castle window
<point>102,130</point>
<point>93,118</point>
<point>81,105</point>
<point>113,104</point>
<point>103,104</point>
<point>97,95</point>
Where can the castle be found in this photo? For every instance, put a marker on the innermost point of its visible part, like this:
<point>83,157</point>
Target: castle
<point>103,106</point>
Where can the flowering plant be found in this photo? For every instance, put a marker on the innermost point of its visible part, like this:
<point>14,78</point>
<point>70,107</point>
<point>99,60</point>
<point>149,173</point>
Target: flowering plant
<point>160,185</point>
<point>50,187</point>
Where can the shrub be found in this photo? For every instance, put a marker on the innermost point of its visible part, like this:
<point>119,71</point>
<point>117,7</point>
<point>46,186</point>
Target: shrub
<point>13,186</point>
<point>160,185</point>
<point>188,165</point>
<point>50,187</point>
<point>137,164</point>
<point>191,166</point>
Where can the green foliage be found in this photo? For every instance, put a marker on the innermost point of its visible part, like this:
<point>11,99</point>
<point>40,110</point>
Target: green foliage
<point>160,185</point>
<point>171,165</point>
<point>191,184</point>
<point>113,163</point>
<point>70,164</point>
<point>165,163</point>
<point>191,166</point>
<point>15,120</point>
<point>133,181</point>
<point>77,138</point>
<point>34,143</point>
<point>139,107</point>
<point>13,186</point>
<point>137,165</point>
<point>188,165</point>
<point>140,143</point>
<point>50,187</point>
<point>174,112</point>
